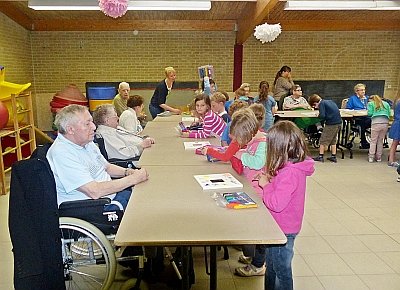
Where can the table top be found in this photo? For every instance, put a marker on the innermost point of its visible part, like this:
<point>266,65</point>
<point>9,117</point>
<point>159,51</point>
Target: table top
<point>174,118</point>
<point>344,113</point>
<point>169,149</point>
<point>172,209</point>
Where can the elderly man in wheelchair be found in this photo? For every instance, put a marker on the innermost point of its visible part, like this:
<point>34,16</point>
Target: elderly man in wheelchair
<point>90,204</point>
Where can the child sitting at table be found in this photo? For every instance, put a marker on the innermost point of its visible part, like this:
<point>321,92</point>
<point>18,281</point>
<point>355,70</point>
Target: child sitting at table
<point>328,112</point>
<point>284,188</point>
<point>259,111</point>
<point>237,141</point>
<point>236,105</point>
<point>218,106</point>
<point>379,111</point>
<point>210,124</point>
<point>254,155</point>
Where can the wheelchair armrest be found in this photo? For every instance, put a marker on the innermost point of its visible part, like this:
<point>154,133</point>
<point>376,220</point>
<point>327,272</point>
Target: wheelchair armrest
<point>85,203</point>
<point>128,163</point>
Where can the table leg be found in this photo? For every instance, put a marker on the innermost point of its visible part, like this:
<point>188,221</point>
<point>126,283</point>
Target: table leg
<point>213,267</point>
<point>185,268</point>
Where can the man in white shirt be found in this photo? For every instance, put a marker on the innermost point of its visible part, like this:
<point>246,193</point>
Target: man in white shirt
<point>79,169</point>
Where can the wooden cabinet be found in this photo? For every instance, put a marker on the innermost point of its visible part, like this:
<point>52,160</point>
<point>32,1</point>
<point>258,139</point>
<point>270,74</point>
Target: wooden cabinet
<point>18,140</point>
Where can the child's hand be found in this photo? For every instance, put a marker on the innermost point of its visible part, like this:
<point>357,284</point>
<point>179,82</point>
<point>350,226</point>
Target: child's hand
<point>204,150</point>
<point>262,180</point>
<point>185,134</point>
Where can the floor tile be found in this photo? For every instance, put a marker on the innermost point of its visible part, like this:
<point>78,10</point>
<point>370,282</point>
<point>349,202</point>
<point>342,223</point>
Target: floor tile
<point>307,283</point>
<point>352,282</point>
<point>384,282</point>
<point>312,245</point>
<point>380,243</point>
<point>346,244</point>
<point>392,259</point>
<point>366,263</point>
<point>327,264</point>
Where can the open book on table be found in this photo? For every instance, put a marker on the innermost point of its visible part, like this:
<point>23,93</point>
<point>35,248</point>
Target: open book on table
<point>218,181</point>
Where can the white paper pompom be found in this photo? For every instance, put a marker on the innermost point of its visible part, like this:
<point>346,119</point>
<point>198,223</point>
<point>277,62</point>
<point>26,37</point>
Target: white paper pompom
<point>267,32</point>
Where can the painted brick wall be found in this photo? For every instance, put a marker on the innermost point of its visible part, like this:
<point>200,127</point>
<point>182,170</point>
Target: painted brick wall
<point>15,51</point>
<point>77,57</point>
<point>326,56</point>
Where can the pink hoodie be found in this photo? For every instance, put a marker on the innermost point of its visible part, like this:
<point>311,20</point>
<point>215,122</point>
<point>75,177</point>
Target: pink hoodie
<point>284,195</point>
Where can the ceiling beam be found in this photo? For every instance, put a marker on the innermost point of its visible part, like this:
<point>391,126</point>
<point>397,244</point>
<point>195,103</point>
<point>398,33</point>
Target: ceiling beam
<point>250,19</point>
<point>339,25</point>
<point>129,25</point>
<point>16,15</point>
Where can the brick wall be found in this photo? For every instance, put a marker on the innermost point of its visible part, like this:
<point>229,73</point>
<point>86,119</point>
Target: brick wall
<point>326,56</point>
<point>77,57</point>
<point>15,51</point>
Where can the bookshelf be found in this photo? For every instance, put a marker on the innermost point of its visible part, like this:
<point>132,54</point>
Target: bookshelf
<point>20,136</point>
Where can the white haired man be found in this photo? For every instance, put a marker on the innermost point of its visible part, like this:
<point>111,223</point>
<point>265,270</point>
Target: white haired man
<point>121,99</point>
<point>79,169</point>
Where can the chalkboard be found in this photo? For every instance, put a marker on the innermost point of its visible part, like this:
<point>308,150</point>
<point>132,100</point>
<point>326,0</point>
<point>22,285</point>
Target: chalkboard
<point>337,90</point>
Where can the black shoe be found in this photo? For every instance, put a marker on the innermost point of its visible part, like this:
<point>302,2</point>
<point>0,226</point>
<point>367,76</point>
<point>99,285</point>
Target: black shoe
<point>332,159</point>
<point>319,158</point>
<point>364,146</point>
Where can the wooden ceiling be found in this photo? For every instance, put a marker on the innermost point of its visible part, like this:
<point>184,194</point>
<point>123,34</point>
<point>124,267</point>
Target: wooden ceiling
<point>240,16</point>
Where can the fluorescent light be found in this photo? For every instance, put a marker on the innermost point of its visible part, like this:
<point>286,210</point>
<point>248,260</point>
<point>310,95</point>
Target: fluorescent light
<point>170,5</point>
<point>342,5</point>
<point>133,5</point>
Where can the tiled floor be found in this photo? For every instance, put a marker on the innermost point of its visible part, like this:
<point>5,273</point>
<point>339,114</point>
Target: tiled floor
<point>350,238</point>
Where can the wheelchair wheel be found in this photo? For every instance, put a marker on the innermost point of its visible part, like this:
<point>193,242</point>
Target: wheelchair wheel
<point>88,257</point>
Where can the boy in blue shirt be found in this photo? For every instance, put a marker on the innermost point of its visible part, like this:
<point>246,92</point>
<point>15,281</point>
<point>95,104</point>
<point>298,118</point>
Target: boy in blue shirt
<point>330,114</point>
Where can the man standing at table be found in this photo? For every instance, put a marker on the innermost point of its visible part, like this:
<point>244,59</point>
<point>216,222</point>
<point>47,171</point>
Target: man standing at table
<point>359,101</point>
<point>80,171</point>
<point>121,99</point>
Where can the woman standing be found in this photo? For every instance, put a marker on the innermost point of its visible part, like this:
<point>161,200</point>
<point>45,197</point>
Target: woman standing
<point>158,100</point>
<point>282,84</point>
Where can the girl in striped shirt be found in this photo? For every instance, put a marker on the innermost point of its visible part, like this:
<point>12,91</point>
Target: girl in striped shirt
<point>211,124</point>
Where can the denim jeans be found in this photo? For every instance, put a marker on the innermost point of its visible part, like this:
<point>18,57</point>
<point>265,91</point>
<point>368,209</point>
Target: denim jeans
<point>259,256</point>
<point>122,197</point>
<point>279,265</point>
<point>155,110</point>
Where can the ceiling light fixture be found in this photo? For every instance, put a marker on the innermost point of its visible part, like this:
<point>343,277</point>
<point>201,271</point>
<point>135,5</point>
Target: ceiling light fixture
<point>342,5</point>
<point>133,5</point>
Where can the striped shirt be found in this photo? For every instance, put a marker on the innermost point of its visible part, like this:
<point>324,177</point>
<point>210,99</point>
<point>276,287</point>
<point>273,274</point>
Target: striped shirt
<point>213,125</point>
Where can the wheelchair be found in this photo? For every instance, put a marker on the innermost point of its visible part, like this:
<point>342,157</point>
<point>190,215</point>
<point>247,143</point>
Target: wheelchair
<point>89,255</point>
<point>69,248</point>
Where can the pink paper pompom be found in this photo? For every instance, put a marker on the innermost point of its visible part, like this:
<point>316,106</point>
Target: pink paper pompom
<point>114,8</point>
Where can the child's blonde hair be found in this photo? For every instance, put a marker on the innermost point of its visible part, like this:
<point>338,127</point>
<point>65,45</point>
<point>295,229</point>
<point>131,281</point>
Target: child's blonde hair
<point>218,97</point>
<point>244,126</point>
<point>239,93</point>
<point>377,102</point>
<point>259,111</point>
<point>286,143</point>
<point>237,105</point>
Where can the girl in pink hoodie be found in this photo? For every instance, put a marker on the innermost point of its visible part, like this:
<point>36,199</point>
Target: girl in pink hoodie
<point>284,188</point>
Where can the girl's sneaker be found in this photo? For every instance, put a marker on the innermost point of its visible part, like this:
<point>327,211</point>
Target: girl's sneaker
<point>250,270</point>
<point>370,159</point>
<point>398,179</point>
<point>244,260</point>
